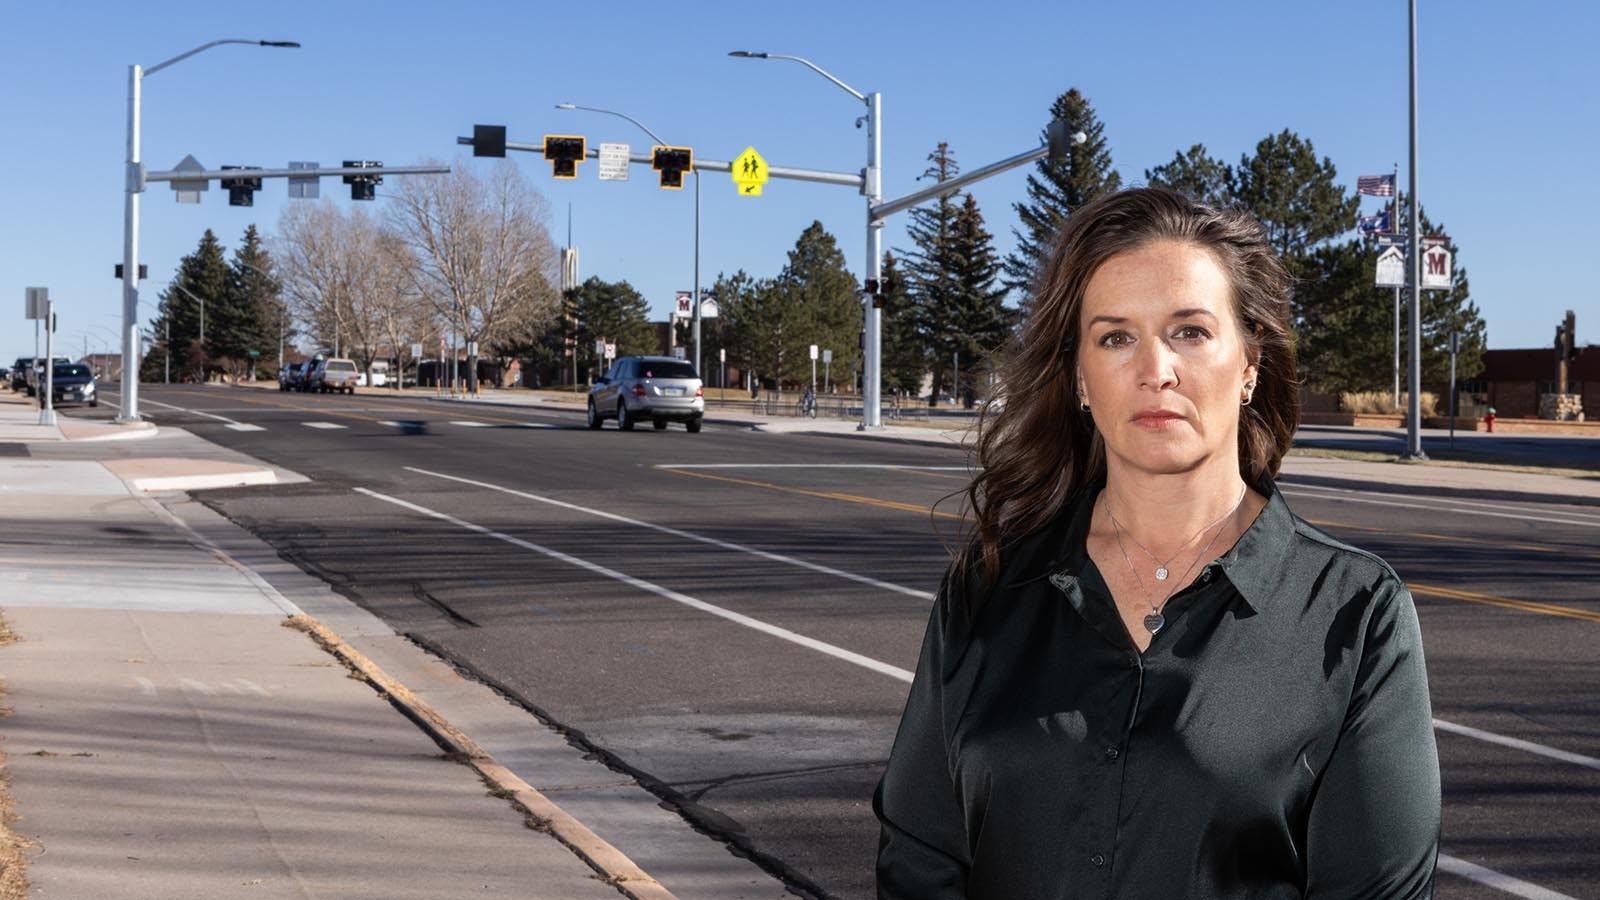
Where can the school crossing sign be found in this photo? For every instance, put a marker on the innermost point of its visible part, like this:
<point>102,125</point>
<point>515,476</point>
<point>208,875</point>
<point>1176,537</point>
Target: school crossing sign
<point>749,172</point>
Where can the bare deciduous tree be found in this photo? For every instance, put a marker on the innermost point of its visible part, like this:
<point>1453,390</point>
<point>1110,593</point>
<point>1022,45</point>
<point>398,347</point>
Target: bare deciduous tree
<point>487,262</point>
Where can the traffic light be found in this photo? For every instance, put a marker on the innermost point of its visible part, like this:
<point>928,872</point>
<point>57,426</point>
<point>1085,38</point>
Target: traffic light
<point>363,187</point>
<point>241,191</point>
<point>565,151</point>
<point>673,163</point>
<point>488,140</point>
<point>879,289</point>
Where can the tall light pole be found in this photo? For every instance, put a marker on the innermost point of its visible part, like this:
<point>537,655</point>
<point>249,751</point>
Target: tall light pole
<point>694,331</point>
<point>130,225</point>
<point>202,302</point>
<point>872,189</point>
<point>1414,240</point>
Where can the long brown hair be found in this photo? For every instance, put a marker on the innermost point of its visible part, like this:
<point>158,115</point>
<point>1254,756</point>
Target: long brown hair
<point>1039,449</point>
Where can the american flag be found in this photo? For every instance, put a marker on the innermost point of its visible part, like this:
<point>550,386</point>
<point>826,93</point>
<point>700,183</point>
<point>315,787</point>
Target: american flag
<point>1375,185</point>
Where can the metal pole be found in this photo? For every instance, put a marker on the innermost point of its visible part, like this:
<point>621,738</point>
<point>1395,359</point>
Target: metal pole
<point>47,410</point>
<point>1414,404</point>
<point>166,375</point>
<point>130,258</point>
<point>1397,349</point>
<point>695,337</point>
<point>871,415</point>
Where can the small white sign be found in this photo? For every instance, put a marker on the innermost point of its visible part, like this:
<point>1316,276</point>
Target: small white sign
<point>827,356</point>
<point>613,162</point>
<point>611,350</point>
<point>722,354</point>
<point>416,351</point>
<point>813,352</point>
<point>708,308</point>
<point>1392,268</point>
<point>684,310</point>
<point>677,353</point>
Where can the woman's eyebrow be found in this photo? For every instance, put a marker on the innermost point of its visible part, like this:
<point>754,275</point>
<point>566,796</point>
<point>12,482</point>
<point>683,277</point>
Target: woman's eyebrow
<point>1194,313</point>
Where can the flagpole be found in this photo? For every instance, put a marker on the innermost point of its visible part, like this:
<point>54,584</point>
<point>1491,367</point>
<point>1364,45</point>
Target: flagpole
<point>1394,223</point>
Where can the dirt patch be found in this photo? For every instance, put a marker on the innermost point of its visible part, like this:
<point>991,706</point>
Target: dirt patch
<point>13,847</point>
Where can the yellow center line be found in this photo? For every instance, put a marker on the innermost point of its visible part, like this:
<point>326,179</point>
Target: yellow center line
<point>825,495</point>
<point>1457,539</point>
<point>1548,609</point>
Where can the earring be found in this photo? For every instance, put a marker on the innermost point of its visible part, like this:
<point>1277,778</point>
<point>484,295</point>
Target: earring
<point>1249,390</point>
<point>1083,404</point>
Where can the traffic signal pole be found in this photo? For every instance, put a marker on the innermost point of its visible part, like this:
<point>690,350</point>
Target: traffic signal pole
<point>869,182</point>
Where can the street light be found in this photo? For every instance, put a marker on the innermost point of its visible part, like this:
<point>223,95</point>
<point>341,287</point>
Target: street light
<point>872,188</point>
<point>130,225</point>
<point>694,329</point>
<point>202,302</point>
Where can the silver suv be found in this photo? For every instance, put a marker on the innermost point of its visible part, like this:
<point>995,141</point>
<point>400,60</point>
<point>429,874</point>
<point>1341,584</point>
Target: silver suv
<point>659,388</point>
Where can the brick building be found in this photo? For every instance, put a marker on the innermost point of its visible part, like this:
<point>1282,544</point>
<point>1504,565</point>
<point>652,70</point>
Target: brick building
<point>1513,380</point>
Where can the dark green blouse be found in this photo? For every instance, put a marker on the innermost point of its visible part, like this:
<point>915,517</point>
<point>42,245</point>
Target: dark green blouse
<point>1274,740</point>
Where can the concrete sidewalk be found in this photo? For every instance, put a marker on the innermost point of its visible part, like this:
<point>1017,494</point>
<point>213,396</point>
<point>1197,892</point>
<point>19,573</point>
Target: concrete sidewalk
<point>170,737</point>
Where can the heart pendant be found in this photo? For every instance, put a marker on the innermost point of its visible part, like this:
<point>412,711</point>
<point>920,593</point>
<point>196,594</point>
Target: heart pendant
<point>1154,622</point>
<point>1162,573</point>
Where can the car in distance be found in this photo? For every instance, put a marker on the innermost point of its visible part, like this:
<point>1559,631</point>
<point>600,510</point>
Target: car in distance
<point>35,374</point>
<point>73,383</point>
<point>19,372</point>
<point>338,375</point>
<point>659,389</point>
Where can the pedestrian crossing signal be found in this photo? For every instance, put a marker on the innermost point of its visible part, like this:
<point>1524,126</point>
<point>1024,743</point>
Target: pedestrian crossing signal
<point>241,191</point>
<point>565,151</point>
<point>673,163</point>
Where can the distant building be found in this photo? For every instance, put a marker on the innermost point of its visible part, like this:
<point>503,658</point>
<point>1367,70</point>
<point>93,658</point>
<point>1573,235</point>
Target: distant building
<point>1513,380</point>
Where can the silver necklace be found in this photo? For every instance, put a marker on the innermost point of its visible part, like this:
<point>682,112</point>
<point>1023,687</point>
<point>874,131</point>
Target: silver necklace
<point>1155,621</point>
<point>1162,572</point>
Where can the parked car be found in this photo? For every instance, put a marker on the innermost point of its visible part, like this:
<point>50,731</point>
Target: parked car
<point>74,383</point>
<point>658,388</point>
<point>333,375</point>
<point>291,376</point>
<point>19,372</point>
<point>35,382</point>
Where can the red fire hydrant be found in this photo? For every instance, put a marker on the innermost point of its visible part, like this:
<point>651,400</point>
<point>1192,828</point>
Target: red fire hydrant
<point>1488,420</point>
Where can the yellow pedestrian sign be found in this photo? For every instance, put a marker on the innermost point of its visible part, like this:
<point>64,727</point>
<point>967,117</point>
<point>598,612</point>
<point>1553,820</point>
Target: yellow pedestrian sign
<point>749,172</point>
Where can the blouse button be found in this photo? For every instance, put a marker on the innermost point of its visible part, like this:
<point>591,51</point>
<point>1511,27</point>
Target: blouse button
<point>1112,753</point>
<point>1098,860</point>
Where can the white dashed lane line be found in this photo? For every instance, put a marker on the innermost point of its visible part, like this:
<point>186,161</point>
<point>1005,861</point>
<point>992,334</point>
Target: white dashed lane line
<point>328,425</point>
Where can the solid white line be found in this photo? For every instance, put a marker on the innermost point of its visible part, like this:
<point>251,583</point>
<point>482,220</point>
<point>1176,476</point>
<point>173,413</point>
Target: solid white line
<point>1455,501</point>
<point>810,466</point>
<point>323,425</point>
<point>1576,759</point>
<point>1494,879</point>
<point>1295,490</point>
<point>849,656</point>
<point>687,535</point>
<point>194,412</point>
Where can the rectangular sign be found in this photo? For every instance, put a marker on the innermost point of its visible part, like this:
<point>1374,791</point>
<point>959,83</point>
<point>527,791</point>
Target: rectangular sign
<point>613,162</point>
<point>37,303</point>
<point>1392,268</point>
<point>305,188</point>
<point>416,351</point>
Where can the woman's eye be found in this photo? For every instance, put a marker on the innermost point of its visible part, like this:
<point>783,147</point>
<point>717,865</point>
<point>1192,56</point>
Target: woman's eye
<point>1115,339</point>
<point>1191,333</point>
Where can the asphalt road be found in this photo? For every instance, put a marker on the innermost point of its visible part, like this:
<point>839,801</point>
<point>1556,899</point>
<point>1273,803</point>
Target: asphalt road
<point>652,591</point>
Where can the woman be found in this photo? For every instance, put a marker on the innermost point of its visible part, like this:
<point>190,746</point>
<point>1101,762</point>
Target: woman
<point>1145,677</point>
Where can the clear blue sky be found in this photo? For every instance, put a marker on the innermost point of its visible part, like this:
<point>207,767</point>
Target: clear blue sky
<point>1508,133</point>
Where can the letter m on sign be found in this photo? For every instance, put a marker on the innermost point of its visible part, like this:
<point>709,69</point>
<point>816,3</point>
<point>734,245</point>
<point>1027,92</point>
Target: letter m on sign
<point>1436,263</point>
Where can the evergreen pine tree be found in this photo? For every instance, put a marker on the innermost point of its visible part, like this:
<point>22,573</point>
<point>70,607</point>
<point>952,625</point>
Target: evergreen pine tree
<point>251,315</point>
<point>980,318</point>
<point>615,312</point>
<point>931,270</point>
<point>821,299</point>
<point>1295,196</point>
<point>905,359</point>
<point>1055,189</point>
<point>1197,174</point>
<point>196,291</point>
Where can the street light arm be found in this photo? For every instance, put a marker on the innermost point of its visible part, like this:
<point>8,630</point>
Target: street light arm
<point>746,54</point>
<point>611,112</point>
<point>183,56</point>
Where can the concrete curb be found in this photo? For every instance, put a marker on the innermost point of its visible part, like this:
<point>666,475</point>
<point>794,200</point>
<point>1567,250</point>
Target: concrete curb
<point>170,474</point>
<point>613,866</point>
<point>1389,487</point>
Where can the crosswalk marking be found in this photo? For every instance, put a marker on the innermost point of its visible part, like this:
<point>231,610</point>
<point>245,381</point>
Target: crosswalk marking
<point>465,424</point>
<point>323,425</point>
<point>243,426</point>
